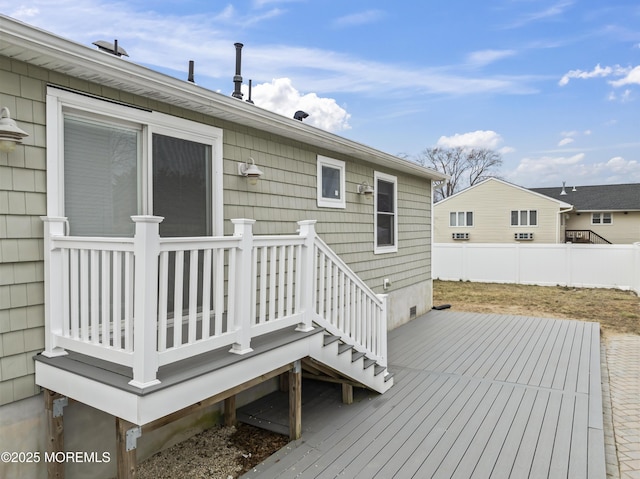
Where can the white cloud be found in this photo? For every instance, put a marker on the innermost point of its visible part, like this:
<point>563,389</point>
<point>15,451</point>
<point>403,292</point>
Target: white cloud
<point>549,170</point>
<point>475,139</point>
<point>485,57</point>
<point>566,141</point>
<point>631,78</point>
<point>281,97</point>
<point>360,18</point>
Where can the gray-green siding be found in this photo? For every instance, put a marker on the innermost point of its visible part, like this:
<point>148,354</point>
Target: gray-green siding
<point>285,194</point>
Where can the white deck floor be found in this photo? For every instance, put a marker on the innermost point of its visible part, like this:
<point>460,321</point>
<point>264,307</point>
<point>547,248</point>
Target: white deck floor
<point>475,396</point>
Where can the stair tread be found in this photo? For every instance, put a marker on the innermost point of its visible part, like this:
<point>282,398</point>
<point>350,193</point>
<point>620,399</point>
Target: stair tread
<point>330,338</point>
<point>378,370</point>
<point>388,376</point>
<point>356,355</point>
<point>344,347</point>
<point>369,362</point>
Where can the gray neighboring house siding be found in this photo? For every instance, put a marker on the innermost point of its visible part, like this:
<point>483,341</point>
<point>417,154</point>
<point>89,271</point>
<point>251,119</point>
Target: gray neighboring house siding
<point>286,194</point>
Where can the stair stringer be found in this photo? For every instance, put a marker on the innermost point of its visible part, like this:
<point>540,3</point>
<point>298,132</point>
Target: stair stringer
<point>353,370</point>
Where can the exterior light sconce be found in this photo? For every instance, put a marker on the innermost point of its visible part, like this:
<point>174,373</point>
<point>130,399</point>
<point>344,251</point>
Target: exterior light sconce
<point>250,171</point>
<point>10,134</point>
<point>365,189</point>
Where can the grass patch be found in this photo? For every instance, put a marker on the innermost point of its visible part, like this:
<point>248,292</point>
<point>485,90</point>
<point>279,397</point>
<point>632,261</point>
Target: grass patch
<point>618,312</point>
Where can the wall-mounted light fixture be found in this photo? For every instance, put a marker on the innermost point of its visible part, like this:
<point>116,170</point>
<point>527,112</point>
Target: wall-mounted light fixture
<point>10,134</point>
<point>365,189</point>
<point>251,171</point>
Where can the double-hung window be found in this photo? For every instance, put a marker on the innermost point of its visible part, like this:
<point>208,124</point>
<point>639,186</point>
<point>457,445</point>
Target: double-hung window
<point>109,161</point>
<point>386,213</point>
<point>331,183</point>
<point>601,218</point>
<point>461,218</point>
<point>524,218</point>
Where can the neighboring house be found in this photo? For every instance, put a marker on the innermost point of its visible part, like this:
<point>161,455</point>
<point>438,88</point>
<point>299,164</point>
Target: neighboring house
<point>341,241</point>
<point>610,212</point>
<point>495,211</point>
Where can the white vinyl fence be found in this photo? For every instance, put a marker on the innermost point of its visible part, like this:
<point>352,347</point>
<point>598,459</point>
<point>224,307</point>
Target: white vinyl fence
<point>589,266</point>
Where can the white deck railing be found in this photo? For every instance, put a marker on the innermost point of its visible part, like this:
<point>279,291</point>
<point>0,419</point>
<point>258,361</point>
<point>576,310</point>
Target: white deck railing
<point>147,301</point>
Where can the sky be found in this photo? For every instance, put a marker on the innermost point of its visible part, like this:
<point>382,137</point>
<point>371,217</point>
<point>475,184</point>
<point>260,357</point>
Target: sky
<point>552,85</point>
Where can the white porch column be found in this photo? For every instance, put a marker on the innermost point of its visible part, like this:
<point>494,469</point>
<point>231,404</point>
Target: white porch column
<point>145,335</point>
<point>308,290</point>
<point>241,294</point>
<point>53,286</point>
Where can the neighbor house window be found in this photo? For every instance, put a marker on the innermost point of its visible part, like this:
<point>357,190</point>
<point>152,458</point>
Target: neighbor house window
<point>117,161</point>
<point>461,218</point>
<point>331,183</point>
<point>600,218</point>
<point>524,218</point>
<point>386,213</point>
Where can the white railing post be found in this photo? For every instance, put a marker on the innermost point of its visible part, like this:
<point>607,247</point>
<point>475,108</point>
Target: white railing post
<point>240,292</point>
<point>382,330</point>
<point>308,287</point>
<point>53,286</point>
<point>146,251</point>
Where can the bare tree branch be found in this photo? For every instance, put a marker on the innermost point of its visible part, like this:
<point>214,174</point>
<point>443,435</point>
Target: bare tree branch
<point>465,166</point>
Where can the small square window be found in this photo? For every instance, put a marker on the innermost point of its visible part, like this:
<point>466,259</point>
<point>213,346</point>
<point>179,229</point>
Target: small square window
<point>331,183</point>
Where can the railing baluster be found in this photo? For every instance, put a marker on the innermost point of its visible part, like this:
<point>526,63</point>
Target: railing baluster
<point>321,286</point>
<point>193,295</point>
<point>128,301</point>
<point>272,282</point>
<point>206,293</point>
<point>117,299</point>
<point>95,295</point>
<point>74,285</point>
<point>163,298</point>
<point>281,280</point>
<point>218,290</point>
<point>105,299</point>
<point>84,294</point>
<point>289,306</point>
<point>263,285</point>
<point>177,298</point>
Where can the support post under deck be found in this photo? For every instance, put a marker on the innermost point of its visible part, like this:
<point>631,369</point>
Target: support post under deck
<point>295,401</point>
<point>53,404</point>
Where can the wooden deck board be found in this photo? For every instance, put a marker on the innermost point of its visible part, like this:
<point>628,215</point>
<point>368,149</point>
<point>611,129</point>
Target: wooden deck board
<point>475,396</point>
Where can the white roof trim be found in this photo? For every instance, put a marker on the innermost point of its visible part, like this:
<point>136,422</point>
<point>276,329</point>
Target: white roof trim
<point>38,47</point>
<point>561,204</point>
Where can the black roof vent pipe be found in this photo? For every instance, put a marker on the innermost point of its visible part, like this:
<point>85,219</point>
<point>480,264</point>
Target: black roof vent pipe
<point>191,78</point>
<point>237,79</point>
<point>249,100</point>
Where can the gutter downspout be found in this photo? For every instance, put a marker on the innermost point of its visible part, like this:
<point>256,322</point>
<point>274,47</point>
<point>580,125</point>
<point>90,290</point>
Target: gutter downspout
<point>559,222</point>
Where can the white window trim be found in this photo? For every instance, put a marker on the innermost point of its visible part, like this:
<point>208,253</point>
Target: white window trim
<point>60,101</point>
<point>391,179</point>
<point>331,202</point>
<point>528,219</point>
<point>601,214</point>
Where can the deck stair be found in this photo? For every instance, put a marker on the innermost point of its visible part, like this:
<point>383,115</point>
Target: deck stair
<point>339,361</point>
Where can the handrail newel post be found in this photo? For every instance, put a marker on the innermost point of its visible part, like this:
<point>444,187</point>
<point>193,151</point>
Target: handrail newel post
<point>382,329</point>
<point>53,287</point>
<point>243,229</point>
<point>145,336</point>
<point>307,291</point>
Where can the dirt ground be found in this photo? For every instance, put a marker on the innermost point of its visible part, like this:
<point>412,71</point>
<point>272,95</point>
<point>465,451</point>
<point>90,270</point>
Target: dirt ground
<point>618,312</point>
<point>217,453</point>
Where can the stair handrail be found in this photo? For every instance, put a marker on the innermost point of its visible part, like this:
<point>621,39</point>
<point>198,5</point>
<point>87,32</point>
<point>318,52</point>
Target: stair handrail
<point>374,341</point>
<point>592,236</point>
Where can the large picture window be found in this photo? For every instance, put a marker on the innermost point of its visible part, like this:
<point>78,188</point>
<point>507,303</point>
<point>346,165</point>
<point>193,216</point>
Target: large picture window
<point>108,162</point>
<point>461,218</point>
<point>386,213</point>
